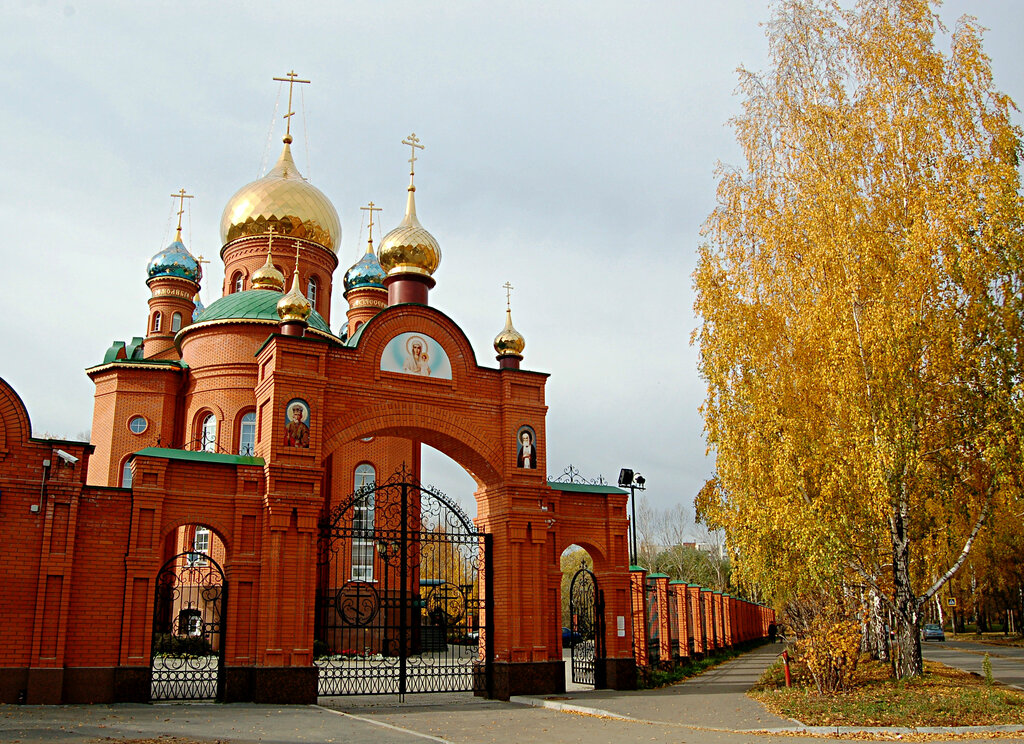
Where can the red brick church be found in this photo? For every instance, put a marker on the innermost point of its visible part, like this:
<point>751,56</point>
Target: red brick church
<point>248,522</point>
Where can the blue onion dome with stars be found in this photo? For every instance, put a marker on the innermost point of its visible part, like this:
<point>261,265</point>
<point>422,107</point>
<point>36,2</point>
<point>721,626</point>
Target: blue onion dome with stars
<point>366,272</point>
<point>175,260</point>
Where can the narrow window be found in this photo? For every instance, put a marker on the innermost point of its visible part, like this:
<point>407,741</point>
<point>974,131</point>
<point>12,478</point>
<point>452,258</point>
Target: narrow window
<point>236,282</point>
<point>126,474</point>
<point>200,547</point>
<point>156,322</point>
<point>362,524</point>
<point>175,322</point>
<point>311,292</point>
<point>208,434</point>
<point>247,438</point>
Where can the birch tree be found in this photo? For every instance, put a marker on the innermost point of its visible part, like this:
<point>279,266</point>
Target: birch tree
<point>860,305</point>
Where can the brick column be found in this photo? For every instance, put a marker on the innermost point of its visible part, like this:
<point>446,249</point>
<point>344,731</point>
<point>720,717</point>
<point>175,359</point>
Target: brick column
<point>684,631</point>
<point>638,605</point>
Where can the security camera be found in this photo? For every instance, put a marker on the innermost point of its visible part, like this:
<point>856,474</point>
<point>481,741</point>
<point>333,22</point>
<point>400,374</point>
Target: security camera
<point>66,457</point>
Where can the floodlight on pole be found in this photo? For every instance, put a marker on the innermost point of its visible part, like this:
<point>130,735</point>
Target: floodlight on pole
<point>634,482</point>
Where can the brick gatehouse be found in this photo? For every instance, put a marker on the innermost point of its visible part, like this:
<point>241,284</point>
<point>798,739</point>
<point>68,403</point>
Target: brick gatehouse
<point>247,522</point>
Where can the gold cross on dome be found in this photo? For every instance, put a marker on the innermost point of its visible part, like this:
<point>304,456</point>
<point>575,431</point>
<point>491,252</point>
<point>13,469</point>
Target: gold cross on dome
<point>371,209</point>
<point>414,142</point>
<point>270,238</point>
<point>508,293</point>
<point>291,78</point>
<point>181,196</point>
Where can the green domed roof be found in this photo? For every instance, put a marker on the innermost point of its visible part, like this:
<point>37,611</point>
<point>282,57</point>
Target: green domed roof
<point>253,304</point>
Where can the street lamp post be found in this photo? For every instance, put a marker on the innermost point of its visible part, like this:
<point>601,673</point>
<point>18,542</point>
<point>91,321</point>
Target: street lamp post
<point>634,482</point>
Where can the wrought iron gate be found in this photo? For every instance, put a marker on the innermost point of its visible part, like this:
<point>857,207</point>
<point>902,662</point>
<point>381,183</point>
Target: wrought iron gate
<point>586,626</point>
<point>187,654</point>
<point>403,594</point>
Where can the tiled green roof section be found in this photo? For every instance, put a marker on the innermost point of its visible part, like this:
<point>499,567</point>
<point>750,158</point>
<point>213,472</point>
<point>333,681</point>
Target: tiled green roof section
<point>584,488</point>
<point>208,457</point>
<point>255,304</point>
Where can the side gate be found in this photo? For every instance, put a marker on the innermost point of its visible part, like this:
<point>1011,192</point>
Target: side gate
<point>586,636</point>
<point>187,652</point>
<point>403,595</point>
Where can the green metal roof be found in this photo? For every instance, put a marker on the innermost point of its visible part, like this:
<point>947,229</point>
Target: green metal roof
<point>637,568</point>
<point>585,488</point>
<point>253,304</point>
<point>657,576</point>
<point>210,457</point>
<point>677,581</point>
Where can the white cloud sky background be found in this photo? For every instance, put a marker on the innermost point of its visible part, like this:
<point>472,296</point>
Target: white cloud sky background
<point>570,149</point>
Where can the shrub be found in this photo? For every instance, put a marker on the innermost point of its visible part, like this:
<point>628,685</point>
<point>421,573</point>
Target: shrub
<point>828,642</point>
<point>169,644</point>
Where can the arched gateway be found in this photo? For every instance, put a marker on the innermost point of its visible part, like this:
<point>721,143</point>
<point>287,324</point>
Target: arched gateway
<point>253,422</point>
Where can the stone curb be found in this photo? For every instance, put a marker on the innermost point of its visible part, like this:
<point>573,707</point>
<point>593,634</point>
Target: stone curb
<point>795,728</point>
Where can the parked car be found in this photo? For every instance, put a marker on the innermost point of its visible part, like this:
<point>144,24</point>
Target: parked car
<point>932,632</point>
<point>570,637</point>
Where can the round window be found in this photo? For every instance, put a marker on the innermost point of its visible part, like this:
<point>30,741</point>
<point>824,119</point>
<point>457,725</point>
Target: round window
<point>138,425</point>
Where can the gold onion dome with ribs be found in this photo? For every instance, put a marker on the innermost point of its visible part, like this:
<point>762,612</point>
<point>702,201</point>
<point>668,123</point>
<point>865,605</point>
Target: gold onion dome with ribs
<point>267,276</point>
<point>286,200</point>
<point>409,248</point>
<point>294,306</point>
<point>509,342</point>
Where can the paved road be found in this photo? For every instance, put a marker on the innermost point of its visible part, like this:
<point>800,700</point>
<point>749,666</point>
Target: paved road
<point>711,709</point>
<point>1007,661</point>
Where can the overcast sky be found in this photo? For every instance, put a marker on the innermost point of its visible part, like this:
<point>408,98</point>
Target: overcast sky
<point>570,149</point>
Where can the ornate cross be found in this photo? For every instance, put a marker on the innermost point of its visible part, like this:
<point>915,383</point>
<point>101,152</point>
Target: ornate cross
<point>414,142</point>
<point>371,209</point>
<point>291,78</point>
<point>508,294</point>
<point>181,196</point>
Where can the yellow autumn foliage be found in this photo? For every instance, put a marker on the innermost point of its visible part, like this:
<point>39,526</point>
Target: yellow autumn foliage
<point>861,296</point>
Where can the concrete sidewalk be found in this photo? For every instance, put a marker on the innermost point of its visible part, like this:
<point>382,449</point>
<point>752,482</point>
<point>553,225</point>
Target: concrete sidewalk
<point>716,699</point>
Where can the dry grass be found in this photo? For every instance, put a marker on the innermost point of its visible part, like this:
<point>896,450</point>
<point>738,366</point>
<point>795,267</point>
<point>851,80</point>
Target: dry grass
<point>942,697</point>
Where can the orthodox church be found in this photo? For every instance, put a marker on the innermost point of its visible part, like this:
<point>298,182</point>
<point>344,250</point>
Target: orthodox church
<point>248,521</point>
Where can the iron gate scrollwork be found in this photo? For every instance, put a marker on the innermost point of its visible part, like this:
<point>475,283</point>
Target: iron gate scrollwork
<point>402,601</point>
<point>187,652</point>
<point>586,628</point>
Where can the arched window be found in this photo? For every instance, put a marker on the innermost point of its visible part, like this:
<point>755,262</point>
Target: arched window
<point>156,322</point>
<point>126,474</point>
<point>311,290</point>
<point>236,282</point>
<point>362,523</point>
<point>175,322</point>
<point>247,435</point>
<point>208,434</point>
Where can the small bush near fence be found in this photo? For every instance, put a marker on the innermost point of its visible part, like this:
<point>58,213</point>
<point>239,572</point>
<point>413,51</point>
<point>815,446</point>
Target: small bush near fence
<point>169,644</point>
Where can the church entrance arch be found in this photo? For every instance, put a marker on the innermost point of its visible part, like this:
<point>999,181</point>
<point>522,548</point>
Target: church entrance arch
<point>402,603</point>
<point>187,653</point>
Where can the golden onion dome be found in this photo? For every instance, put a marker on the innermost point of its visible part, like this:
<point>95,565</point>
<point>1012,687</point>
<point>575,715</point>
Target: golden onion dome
<point>267,276</point>
<point>294,306</point>
<point>409,248</point>
<point>284,199</point>
<point>509,342</point>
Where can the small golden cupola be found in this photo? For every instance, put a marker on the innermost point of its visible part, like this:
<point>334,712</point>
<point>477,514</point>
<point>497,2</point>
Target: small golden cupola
<point>509,343</point>
<point>409,254</point>
<point>294,309</point>
<point>267,276</point>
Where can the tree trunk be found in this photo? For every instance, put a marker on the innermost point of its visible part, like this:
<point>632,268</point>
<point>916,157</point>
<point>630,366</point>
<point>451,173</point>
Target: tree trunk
<point>908,661</point>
